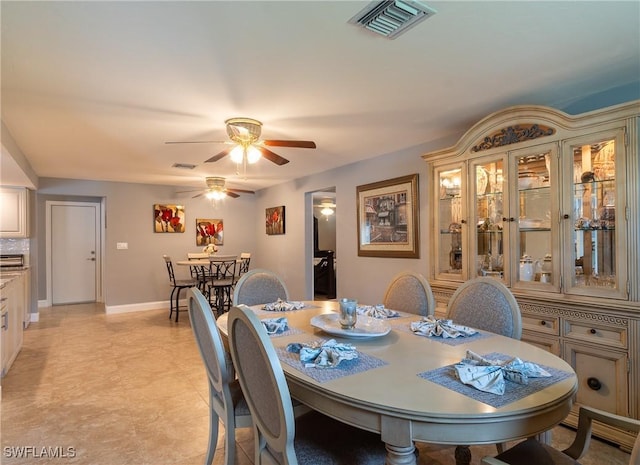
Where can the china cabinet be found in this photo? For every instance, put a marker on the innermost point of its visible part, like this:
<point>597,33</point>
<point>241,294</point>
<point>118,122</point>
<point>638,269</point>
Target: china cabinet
<point>548,203</point>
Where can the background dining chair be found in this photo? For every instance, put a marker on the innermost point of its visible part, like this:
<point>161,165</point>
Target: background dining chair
<point>226,402</point>
<point>531,451</point>
<point>259,286</point>
<point>410,292</point>
<point>243,263</point>
<point>177,285</point>
<point>221,283</point>
<point>279,439</point>
<point>199,272</point>
<point>487,304</point>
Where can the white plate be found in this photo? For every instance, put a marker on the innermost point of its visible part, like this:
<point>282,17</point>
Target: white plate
<point>365,326</point>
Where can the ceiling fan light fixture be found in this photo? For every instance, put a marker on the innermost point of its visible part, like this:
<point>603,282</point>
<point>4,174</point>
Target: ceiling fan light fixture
<point>216,194</point>
<point>253,154</point>
<point>327,211</point>
<point>237,154</point>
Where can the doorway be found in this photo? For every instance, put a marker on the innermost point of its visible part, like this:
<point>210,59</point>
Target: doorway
<point>74,252</point>
<point>324,254</point>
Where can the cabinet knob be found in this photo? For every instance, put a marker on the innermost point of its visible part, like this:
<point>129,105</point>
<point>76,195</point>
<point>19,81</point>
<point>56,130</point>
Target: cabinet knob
<point>463,221</point>
<point>543,323</point>
<point>594,383</point>
<point>592,331</point>
<point>565,216</point>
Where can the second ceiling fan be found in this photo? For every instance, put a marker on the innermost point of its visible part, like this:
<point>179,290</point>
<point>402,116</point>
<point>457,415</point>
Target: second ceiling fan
<point>217,190</point>
<point>248,148</point>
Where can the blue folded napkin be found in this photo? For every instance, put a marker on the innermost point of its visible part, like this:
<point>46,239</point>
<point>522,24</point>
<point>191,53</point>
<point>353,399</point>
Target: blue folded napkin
<point>323,354</point>
<point>490,375</point>
<point>376,311</point>
<point>283,306</point>
<point>431,327</point>
<point>275,325</point>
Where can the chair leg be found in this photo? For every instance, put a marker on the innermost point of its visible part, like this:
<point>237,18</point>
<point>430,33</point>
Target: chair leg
<point>173,291</point>
<point>213,433</point>
<point>178,303</point>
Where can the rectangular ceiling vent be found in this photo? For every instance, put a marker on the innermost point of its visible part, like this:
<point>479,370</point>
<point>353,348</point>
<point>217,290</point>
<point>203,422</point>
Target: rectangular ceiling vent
<point>184,166</point>
<point>392,18</point>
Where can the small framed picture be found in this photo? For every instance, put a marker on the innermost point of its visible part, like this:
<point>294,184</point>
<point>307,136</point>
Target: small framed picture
<point>209,231</point>
<point>274,220</point>
<point>168,218</point>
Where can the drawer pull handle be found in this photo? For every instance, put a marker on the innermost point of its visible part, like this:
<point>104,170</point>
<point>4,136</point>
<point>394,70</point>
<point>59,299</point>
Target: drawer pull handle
<point>543,323</point>
<point>592,331</point>
<point>5,321</point>
<point>594,384</point>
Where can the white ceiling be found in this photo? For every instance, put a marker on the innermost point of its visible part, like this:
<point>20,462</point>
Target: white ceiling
<point>92,90</point>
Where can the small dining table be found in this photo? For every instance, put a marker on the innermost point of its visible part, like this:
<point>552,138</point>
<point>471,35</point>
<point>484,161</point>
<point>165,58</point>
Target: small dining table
<point>206,261</point>
<point>403,385</point>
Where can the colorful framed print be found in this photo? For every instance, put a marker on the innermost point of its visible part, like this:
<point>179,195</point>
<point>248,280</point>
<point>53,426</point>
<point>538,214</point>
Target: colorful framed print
<point>274,220</point>
<point>209,231</point>
<point>168,218</point>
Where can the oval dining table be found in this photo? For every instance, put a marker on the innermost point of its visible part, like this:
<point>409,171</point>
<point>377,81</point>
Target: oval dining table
<point>407,391</point>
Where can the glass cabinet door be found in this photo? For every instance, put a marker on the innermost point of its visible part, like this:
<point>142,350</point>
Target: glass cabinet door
<point>487,181</point>
<point>533,218</point>
<point>449,260</point>
<point>596,218</point>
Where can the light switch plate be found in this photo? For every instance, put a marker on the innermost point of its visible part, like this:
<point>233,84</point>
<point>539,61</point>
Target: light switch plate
<point>122,245</point>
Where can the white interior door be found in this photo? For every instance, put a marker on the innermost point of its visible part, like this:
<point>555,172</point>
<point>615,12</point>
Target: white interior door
<point>74,251</point>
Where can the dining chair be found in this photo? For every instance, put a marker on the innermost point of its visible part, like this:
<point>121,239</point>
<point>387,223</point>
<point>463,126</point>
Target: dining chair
<point>259,286</point>
<point>226,401</point>
<point>177,285</point>
<point>221,283</point>
<point>485,303</point>
<point>199,272</point>
<point>243,263</point>
<point>532,451</point>
<point>279,438</point>
<point>410,292</point>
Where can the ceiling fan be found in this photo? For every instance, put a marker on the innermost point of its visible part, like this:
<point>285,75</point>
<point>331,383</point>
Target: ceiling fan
<point>216,189</point>
<point>248,148</point>
<point>327,208</point>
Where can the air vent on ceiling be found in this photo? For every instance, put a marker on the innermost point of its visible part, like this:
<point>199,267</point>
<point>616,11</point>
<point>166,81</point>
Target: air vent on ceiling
<point>184,166</point>
<point>392,18</point>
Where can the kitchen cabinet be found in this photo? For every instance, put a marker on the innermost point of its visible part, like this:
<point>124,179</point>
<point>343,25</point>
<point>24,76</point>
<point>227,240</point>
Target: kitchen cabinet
<point>549,203</point>
<point>12,293</point>
<point>14,217</point>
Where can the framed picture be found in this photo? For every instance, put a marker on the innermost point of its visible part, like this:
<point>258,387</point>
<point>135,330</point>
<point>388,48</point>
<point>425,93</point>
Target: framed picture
<point>274,220</point>
<point>209,231</point>
<point>388,223</point>
<point>168,218</point>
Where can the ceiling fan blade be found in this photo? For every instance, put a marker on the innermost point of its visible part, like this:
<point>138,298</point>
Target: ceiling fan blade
<point>196,142</point>
<point>240,190</point>
<point>303,144</point>
<point>198,195</point>
<point>273,157</point>
<point>186,192</point>
<point>220,155</point>
<point>231,194</point>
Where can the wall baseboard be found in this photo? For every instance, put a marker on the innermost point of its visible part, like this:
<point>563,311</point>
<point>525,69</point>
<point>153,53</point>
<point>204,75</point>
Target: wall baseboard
<point>114,309</point>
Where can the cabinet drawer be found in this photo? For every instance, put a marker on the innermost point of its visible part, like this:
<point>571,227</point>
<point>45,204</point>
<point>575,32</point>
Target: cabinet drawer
<point>602,377</point>
<point>541,324</point>
<point>550,344</point>
<point>596,333</point>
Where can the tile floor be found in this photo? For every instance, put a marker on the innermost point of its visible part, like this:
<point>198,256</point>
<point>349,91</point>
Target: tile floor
<point>130,389</point>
